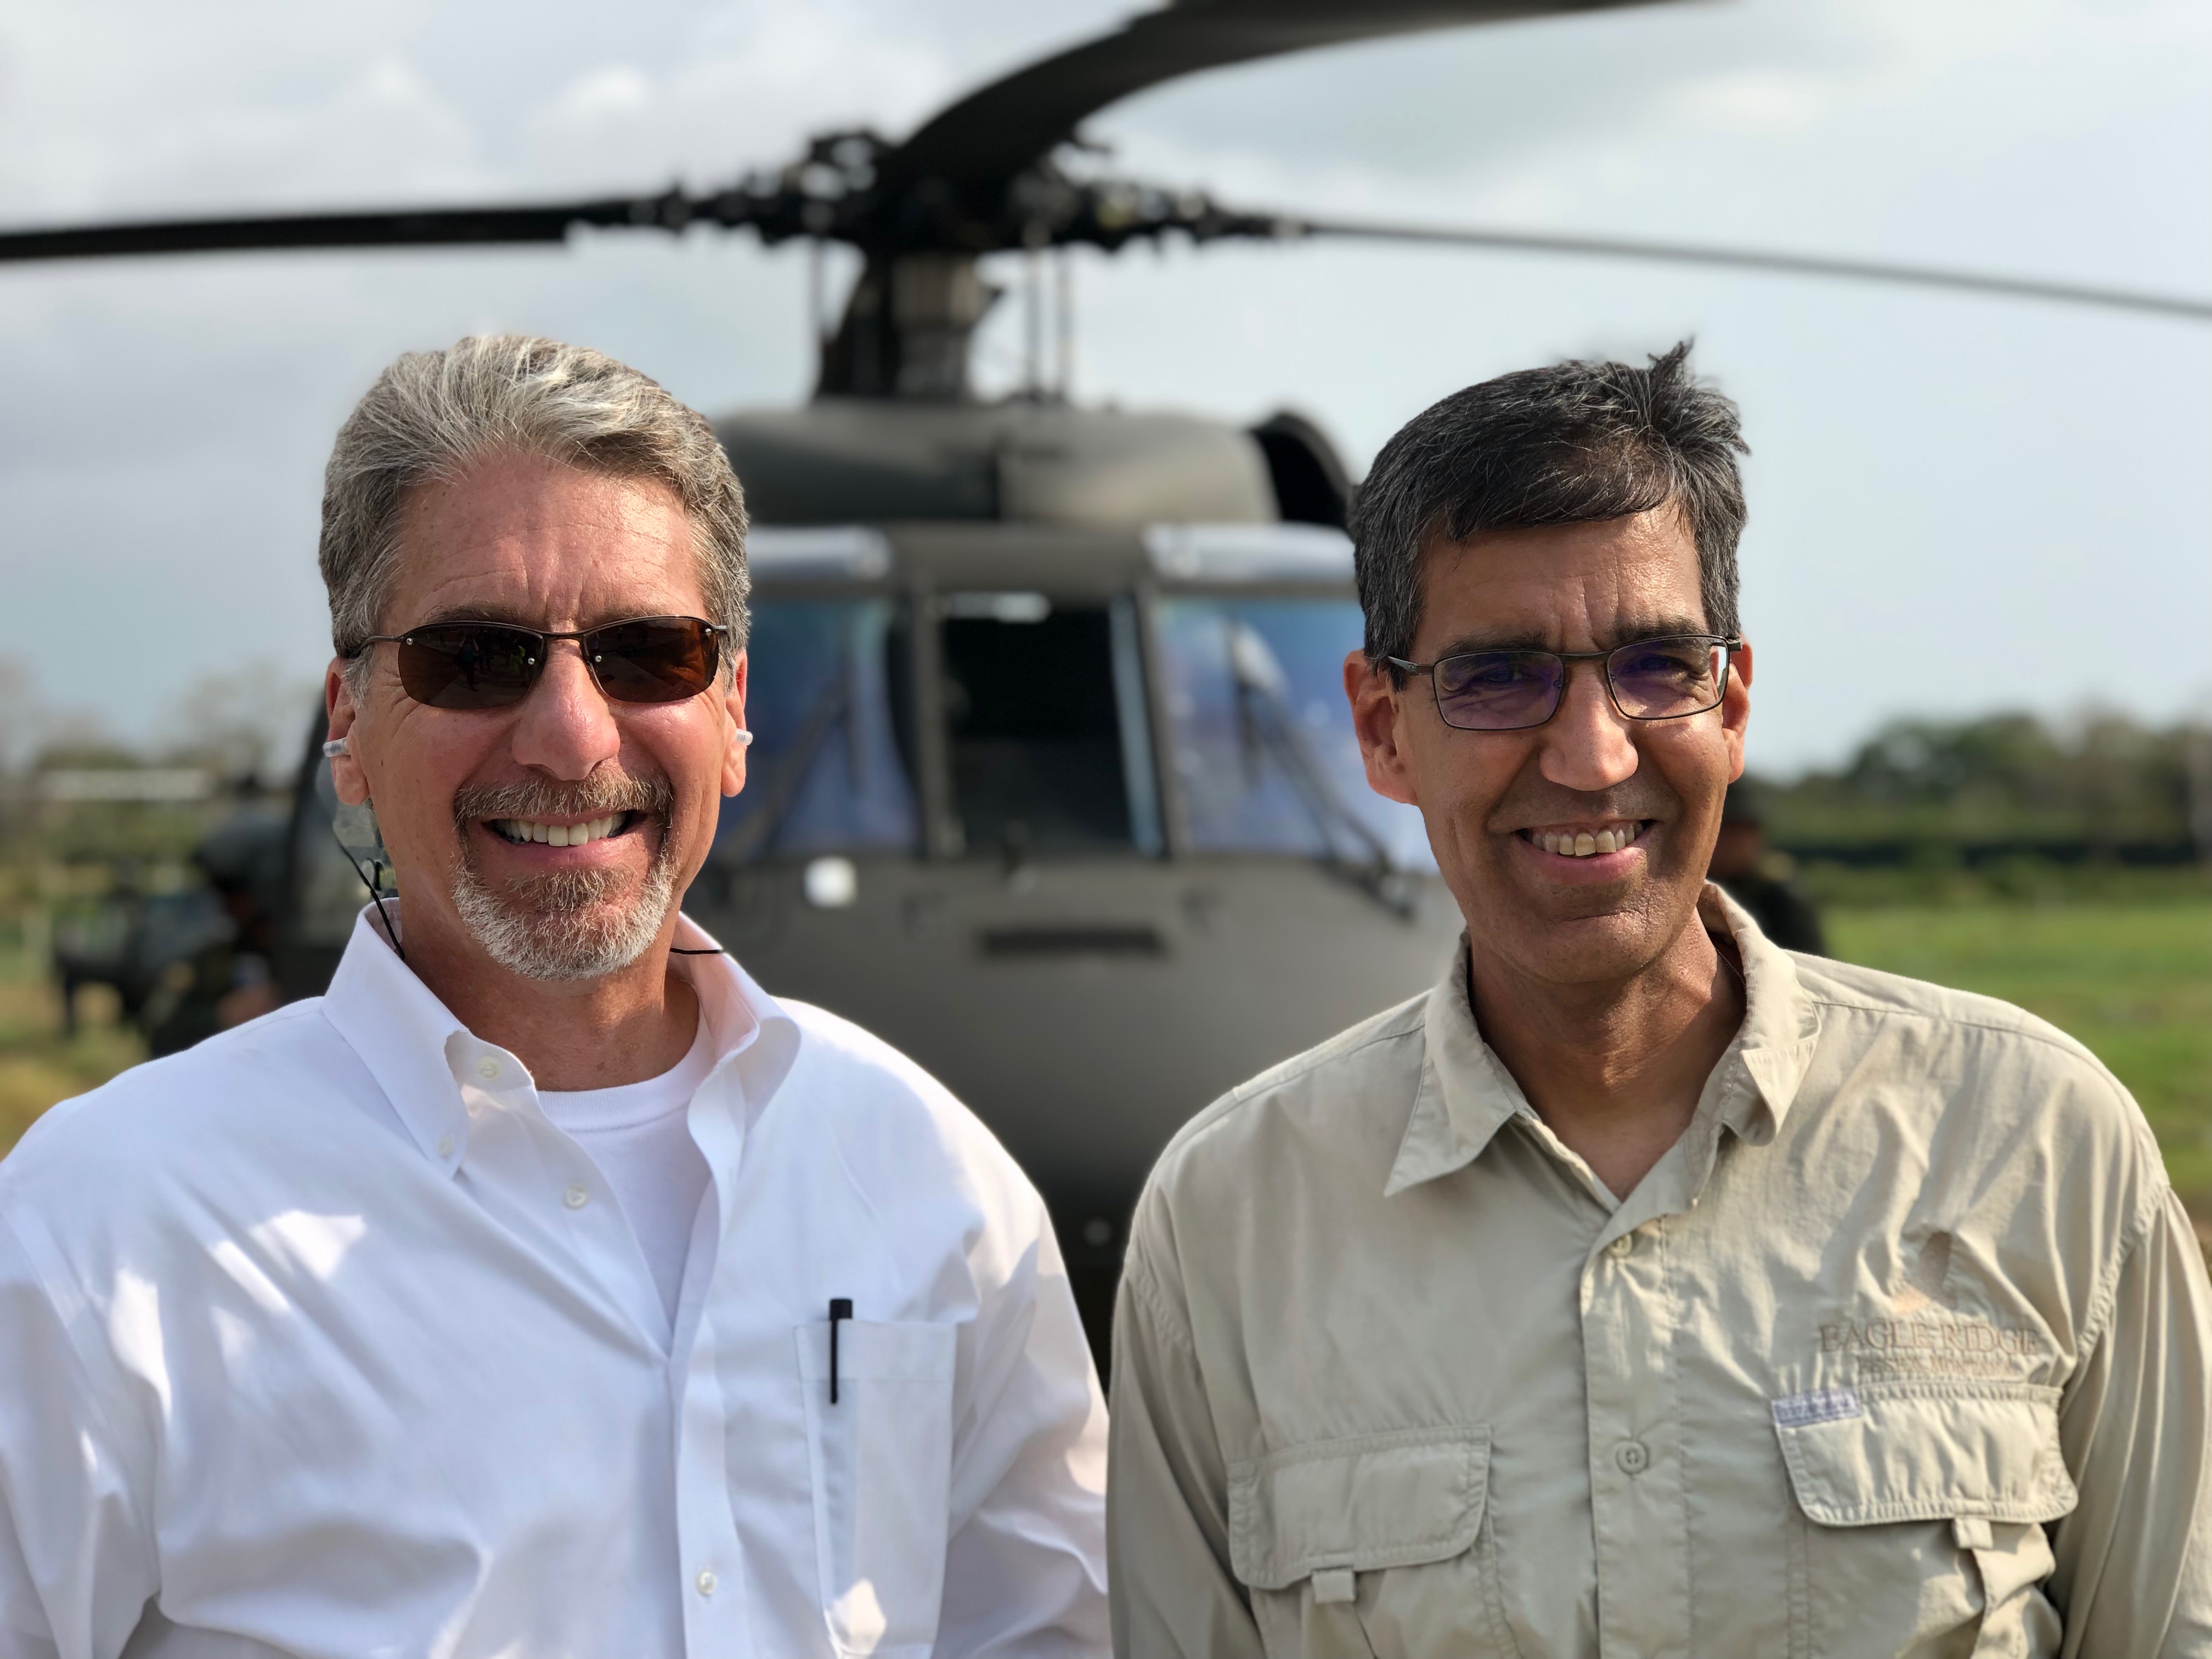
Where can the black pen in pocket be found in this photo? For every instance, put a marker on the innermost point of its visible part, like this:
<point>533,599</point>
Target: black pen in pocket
<point>841,1307</point>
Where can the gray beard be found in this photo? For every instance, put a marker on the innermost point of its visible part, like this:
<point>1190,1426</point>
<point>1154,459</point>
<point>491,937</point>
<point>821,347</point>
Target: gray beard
<point>571,924</point>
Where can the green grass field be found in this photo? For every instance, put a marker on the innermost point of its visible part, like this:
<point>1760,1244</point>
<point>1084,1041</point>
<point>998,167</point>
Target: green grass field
<point>2131,979</point>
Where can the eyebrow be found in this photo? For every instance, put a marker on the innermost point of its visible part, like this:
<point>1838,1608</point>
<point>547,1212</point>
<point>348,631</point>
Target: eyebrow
<point>1613,639</point>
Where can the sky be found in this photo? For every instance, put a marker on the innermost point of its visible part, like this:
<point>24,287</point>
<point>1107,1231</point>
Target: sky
<point>1958,504</point>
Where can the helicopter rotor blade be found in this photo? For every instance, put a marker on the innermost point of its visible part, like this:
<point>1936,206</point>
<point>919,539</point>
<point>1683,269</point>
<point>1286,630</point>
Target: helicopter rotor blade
<point>987,138</point>
<point>1609,247</point>
<point>403,227</point>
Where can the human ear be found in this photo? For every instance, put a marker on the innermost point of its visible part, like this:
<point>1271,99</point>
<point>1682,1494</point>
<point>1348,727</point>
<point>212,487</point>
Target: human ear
<point>1377,705</point>
<point>1735,707</point>
<point>346,775</point>
<point>735,737</point>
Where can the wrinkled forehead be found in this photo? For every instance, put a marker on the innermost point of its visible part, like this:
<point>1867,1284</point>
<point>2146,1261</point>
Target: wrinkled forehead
<point>542,544</point>
<point>1563,587</point>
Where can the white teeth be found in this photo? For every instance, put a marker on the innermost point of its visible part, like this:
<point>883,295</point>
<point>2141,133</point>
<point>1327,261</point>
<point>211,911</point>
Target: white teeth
<point>558,834</point>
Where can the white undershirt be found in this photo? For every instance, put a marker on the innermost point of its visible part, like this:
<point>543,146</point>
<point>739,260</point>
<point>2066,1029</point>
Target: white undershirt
<point>639,1136</point>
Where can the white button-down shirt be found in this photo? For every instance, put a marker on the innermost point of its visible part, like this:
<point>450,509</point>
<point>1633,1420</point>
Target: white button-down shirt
<point>321,1339</point>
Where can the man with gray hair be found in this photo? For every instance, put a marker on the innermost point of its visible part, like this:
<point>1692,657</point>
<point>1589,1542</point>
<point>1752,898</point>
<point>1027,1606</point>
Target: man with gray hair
<point>547,1287</point>
<point>1643,1288</point>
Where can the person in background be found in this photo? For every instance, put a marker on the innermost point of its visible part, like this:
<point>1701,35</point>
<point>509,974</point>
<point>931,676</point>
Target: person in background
<point>1745,869</point>
<point>548,1286</point>
<point>227,981</point>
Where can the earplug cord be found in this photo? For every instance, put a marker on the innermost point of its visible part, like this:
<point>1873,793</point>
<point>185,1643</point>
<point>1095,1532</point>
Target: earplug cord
<point>370,878</point>
<point>374,875</point>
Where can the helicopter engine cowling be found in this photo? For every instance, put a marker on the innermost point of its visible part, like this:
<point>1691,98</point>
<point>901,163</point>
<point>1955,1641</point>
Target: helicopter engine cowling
<point>848,460</point>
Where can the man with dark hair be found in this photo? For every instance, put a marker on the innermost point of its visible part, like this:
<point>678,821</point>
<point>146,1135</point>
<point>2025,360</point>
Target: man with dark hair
<point>1643,1289</point>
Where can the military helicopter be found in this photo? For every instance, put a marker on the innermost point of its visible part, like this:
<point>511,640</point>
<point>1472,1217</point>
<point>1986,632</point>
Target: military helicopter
<point>1053,785</point>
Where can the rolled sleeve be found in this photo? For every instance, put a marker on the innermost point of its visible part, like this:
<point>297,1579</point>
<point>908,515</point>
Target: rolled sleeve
<point>2135,1559</point>
<point>77,1567</point>
<point>1173,1592</point>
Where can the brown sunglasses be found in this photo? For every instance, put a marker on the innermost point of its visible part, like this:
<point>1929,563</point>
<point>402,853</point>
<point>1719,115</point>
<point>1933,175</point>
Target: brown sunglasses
<point>473,665</point>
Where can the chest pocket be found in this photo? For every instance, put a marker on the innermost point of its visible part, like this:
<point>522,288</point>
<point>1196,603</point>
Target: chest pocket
<point>1371,1546</point>
<point>881,1459</point>
<point>1927,1502</point>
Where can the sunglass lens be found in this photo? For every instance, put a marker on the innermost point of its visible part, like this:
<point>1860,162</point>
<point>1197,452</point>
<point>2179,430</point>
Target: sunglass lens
<point>1659,679</point>
<point>458,665</point>
<point>1498,690</point>
<point>658,659</point>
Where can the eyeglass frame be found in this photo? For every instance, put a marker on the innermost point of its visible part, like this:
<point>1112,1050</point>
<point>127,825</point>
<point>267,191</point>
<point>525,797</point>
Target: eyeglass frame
<point>1729,644</point>
<point>715,632</point>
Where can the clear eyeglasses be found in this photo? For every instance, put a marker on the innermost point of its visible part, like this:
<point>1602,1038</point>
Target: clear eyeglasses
<point>1663,678</point>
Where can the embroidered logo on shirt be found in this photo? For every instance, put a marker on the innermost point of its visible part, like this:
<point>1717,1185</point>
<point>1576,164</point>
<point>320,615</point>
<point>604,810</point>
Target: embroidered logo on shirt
<point>1925,1332</point>
<point>1802,1411</point>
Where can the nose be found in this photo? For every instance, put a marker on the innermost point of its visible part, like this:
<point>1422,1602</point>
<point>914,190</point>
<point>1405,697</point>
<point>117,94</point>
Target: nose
<point>1588,745</point>
<point>565,727</point>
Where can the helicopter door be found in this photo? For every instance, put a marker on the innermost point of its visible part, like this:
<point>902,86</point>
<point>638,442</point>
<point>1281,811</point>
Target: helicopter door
<point>1045,726</point>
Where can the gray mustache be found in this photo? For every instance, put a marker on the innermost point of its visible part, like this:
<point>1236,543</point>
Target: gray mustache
<point>538,799</point>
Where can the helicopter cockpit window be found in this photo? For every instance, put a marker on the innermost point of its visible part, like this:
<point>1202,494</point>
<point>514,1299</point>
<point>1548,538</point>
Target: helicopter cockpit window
<point>825,770</point>
<point>1264,750</point>
<point>1044,716</point>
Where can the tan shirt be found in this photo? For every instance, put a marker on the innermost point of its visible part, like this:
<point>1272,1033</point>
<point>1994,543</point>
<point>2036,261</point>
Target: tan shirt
<point>1902,1350</point>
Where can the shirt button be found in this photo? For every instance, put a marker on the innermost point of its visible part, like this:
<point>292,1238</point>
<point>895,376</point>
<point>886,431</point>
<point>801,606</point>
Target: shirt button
<point>1632,1457</point>
<point>1621,1246</point>
<point>445,1145</point>
<point>705,1581</point>
<point>575,1198</point>
<point>487,1068</point>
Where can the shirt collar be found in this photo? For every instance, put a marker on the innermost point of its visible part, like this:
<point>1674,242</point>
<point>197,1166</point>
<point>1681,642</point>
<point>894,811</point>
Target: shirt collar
<point>437,1074</point>
<point>1466,1094</point>
<point>1773,1047</point>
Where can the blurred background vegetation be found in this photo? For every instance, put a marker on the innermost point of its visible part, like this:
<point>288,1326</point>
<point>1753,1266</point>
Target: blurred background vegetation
<point>2067,868</point>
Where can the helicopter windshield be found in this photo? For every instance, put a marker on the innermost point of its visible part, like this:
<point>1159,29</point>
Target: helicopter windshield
<point>1044,717</point>
<point>1047,743</point>
<point>825,769</point>
<point>1262,740</point>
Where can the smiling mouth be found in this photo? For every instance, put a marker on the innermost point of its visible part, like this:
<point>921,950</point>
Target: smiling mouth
<point>545,834</point>
<point>1614,837</point>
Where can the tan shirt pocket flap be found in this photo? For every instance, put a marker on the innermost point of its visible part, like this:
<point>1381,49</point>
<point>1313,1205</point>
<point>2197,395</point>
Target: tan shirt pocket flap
<point>1925,1451</point>
<point>1378,1500</point>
